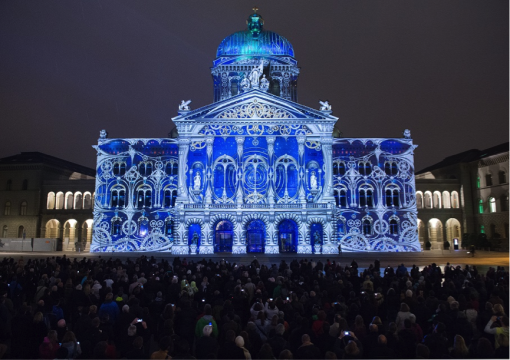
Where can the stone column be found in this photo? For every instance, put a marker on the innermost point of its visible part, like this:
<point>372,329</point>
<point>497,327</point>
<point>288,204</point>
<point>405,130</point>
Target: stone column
<point>270,151</point>
<point>240,149</point>
<point>301,170</point>
<point>327,153</point>
<point>207,173</point>
<point>182,190</point>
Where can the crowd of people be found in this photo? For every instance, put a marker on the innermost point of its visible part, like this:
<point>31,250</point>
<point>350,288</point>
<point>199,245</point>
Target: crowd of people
<point>58,308</point>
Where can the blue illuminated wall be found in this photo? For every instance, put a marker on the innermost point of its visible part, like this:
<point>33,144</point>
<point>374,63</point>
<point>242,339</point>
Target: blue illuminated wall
<point>136,190</point>
<point>375,194</point>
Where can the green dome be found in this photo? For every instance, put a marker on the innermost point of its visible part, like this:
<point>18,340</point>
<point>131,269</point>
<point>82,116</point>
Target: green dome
<point>255,41</point>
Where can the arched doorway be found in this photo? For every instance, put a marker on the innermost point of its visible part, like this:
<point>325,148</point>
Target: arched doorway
<point>435,232</point>
<point>316,237</point>
<point>255,236</point>
<point>223,236</point>
<point>194,235</point>
<point>288,236</point>
<point>70,235</point>
<point>453,230</point>
<point>52,229</point>
<point>87,231</point>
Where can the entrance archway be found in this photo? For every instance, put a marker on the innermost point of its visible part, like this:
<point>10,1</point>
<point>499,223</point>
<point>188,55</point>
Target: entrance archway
<point>316,236</point>
<point>223,236</point>
<point>453,230</point>
<point>194,235</point>
<point>255,236</point>
<point>435,231</point>
<point>52,229</point>
<point>288,236</point>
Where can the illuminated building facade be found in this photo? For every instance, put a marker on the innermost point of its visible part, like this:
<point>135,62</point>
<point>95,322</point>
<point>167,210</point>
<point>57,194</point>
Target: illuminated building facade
<point>255,172</point>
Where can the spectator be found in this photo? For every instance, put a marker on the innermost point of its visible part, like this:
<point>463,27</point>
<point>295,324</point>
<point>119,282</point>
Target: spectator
<point>230,350</point>
<point>136,351</point>
<point>502,328</point>
<point>49,346</point>
<point>460,350</point>
<point>110,308</point>
<point>164,346</point>
<point>240,343</point>
<point>404,313</point>
<point>307,350</point>
<point>207,319</point>
<point>207,345</point>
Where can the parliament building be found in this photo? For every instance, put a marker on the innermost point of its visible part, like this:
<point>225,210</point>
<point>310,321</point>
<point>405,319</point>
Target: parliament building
<point>255,171</point>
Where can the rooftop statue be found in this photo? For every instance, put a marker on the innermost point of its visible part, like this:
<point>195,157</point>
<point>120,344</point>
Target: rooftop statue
<point>184,105</point>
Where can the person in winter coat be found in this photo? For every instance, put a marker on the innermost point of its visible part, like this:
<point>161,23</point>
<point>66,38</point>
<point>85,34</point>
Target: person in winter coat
<point>240,344</point>
<point>404,313</point>
<point>49,346</point>
<point>503,329</point>
<point>207,345</point>
<point>207,319</point>
<point>110,308</point>
<point>72,345</point>
<point>307,350</point>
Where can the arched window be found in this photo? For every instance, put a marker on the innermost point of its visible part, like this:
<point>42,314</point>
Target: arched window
<point>24,186</point>
<point>144,197</point>
<point>50,203</point>
<point>364,168</point>
<point>7,208</point>
<point>387,168</point>
<point>169,224</point>
<point>393,227</point>
<point>143,226</point>
<point>455,200</point>
<point>8,187</point>
<point>391,168</point>
<point>170,196</point>
<point>343,198</point>
<point>504,202</point>
<point>419,200</point>
<point>488,180</point>
<point>69,200</point>
<point>366,196</point>
<point>428,200</point>
<point>480,206</point>
<point>119,168</point>
<point>437,199</point>
<point>492,205</point>
<point>394,168</point>
<point>21,230</point>
<point>118,196</point>
<point>392,196</point>
<point>23,208</point>
<point>502,177</point>
<point>341,168</point>
<point>116,225</point>
<point>87,200</point>
<point>78,200</point>
<point>4,231</point>
<point>60,200</point>
<point>367,227</point>
<point>145,168</point>
<point>446,200</point>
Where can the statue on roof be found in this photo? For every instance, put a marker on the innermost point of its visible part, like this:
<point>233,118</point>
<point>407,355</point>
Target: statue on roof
<point>184,105</point>
<point>407,134</point>
<point>255,75</point>
<point>325,106</point>
<point>264,83</point>
<point>103,134</point>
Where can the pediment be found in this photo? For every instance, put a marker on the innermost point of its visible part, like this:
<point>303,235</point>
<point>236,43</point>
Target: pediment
<point>254,105</point>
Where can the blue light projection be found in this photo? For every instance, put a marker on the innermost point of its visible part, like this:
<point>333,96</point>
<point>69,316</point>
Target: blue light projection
<point>255,172</point>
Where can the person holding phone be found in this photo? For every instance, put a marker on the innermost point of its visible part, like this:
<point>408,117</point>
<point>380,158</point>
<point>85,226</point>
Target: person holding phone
<point>72,345</point>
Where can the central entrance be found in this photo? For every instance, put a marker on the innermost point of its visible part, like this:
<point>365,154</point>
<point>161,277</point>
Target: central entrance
<point>288,236</point>
<point>223,236</point>
<point>255,236</point>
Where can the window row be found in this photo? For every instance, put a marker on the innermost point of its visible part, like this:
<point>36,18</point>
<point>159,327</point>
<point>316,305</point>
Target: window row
<point>489,181</point>
<point>365,168</point>
<point>366,196</point>
<point>437,200</point>
<point>367,225</point>
<point>145,168</point>
<point>22,208</point>
<point>24,185</point>
<point>142,228</point>
<point>492,204</point>
<point>69,200</point>
<point>142,197</point>
<point>20,233</point>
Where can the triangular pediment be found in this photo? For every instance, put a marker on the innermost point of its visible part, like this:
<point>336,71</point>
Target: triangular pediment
<point>256,105</point>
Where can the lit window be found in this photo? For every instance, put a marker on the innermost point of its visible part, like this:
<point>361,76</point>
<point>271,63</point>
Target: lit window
<point>480,206</point>
<point>23,208</point>
<point>492,205</point>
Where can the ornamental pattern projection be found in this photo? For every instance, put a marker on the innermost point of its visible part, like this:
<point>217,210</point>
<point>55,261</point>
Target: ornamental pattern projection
<point>254,172</point>
<point>375,194</point>
<point>136,189</point>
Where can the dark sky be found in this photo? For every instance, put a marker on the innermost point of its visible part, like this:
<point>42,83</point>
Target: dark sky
<point>71,68</point>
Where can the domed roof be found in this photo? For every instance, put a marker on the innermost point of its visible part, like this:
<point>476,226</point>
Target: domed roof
<point>255,41</point>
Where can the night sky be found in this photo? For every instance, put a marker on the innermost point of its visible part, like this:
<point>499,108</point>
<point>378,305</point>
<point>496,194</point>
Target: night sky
<point>71,68</point>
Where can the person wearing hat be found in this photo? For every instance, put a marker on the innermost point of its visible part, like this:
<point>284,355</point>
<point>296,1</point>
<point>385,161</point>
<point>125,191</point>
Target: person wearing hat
<point>207,345</point>
<point>207,319</point>
<point>240,343</point>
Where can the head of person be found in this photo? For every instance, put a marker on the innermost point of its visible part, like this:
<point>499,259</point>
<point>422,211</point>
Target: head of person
<point>239,341</point>
<point>404,307</point>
